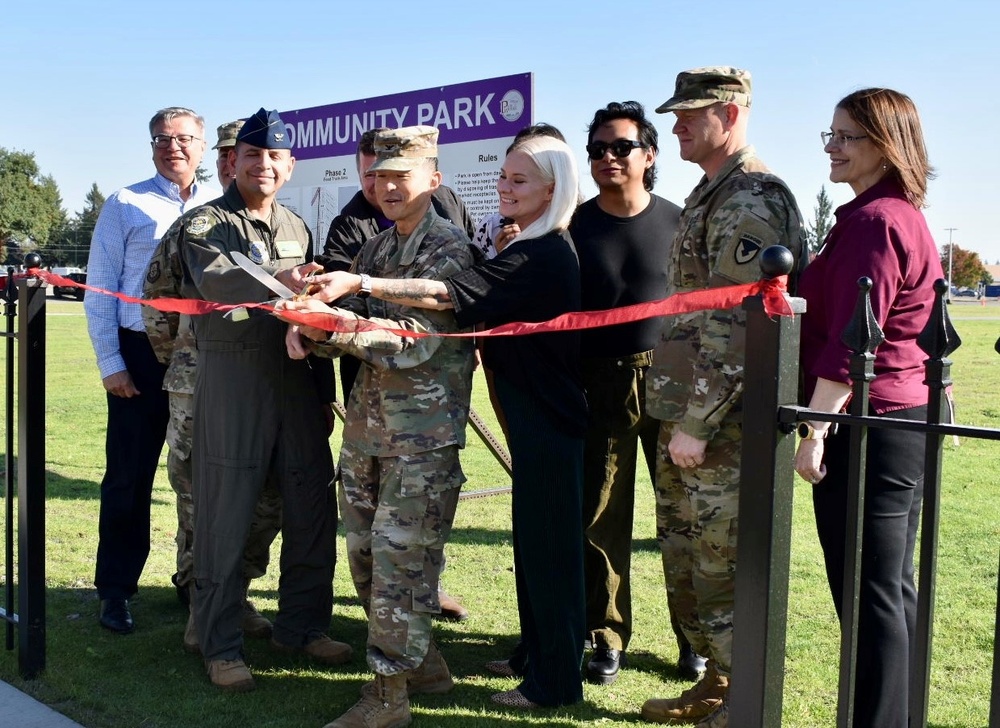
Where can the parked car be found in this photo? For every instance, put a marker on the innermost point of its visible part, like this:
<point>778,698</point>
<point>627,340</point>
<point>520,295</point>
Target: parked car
<point>967,293</point>
<point>77,275</point>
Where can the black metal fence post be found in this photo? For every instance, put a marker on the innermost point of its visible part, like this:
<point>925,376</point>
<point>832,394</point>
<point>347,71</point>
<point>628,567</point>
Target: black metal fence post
<point>10,314</point>
<point>31,478</point>
<point>938,339</point>
<point>862,336</point>
<point>765,512</point>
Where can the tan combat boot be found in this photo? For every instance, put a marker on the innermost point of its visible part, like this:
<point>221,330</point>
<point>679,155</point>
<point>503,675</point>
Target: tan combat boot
<point>383,705</point>
<point>230,675</point>
<point>432,677</point>
<point>718,719</point>
<point>694,704</point>
<point>322,649</point>
<point>191,643</point>
<point>255,624</point>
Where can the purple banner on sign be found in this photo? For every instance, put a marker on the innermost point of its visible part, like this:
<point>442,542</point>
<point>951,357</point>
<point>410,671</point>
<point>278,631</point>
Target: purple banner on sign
<point>463,112</point>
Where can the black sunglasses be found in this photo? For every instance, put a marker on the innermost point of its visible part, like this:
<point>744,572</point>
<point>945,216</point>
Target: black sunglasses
<point>621,148</point>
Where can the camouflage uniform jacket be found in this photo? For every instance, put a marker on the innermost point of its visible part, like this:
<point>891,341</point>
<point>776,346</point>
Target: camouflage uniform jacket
<point>171,334</point>
<point>697,374</point>
<point>412,395</point>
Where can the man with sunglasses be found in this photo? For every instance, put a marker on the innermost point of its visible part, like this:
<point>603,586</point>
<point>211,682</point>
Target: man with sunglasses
<point>694,387</point>
<point>623,238</point>
<point>130,226</point>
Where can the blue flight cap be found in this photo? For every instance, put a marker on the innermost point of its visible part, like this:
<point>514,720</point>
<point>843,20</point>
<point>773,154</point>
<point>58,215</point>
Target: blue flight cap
<point>266,130</point>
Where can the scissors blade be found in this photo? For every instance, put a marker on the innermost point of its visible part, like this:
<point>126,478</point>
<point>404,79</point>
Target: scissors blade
<point>262,276</point>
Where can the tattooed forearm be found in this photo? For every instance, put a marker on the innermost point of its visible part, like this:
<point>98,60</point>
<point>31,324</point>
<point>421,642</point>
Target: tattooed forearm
<point>421,293</point>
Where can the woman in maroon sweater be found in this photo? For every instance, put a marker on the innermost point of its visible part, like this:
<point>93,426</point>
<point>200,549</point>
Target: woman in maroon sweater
<point>876,146</point>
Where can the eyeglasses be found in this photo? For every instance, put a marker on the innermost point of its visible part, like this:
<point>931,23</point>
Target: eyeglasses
<point>839,140</point>
<point>162,141</point>
<point>621,148</point>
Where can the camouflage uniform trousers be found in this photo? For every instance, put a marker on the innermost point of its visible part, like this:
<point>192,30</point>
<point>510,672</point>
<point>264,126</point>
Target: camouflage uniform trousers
<point>267,515</point>
<point>696,527</point>
<point>398,513</point>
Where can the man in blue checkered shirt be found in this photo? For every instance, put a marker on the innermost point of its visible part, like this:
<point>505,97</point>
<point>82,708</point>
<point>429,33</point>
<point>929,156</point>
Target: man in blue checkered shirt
<point>130,225</point>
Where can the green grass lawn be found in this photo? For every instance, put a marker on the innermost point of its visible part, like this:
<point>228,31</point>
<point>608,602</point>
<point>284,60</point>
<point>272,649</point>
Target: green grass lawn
<point>145,680</point>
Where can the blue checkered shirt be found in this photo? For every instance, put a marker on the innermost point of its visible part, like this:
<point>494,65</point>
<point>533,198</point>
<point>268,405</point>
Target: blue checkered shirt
<point>130,226</point>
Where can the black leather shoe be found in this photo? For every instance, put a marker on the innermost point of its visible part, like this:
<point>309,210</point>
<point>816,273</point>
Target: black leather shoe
<point>116,616</point>
<point>602,669</point>
<point>690,664</point>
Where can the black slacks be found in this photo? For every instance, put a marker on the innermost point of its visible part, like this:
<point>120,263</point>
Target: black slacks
<point>137,427</point>
<point>888,600</point>
<point>548,550</point>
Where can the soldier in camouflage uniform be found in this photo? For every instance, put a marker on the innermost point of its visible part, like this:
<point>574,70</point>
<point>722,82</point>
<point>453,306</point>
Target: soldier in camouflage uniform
<point>172,337</point>
<point>695,384</point>
<point>405,425</point>
<point>257,415</point>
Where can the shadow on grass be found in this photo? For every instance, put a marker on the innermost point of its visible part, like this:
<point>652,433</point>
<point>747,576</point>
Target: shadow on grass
<point>57,485</point>
<point>106,680</point>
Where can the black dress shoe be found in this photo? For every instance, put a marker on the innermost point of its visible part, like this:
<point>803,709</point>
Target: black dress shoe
<point>602,669</point>
<point>116,616</point>
<point>690,664</point>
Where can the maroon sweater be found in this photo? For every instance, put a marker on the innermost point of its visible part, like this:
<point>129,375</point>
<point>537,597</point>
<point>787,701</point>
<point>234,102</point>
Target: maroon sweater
<point>880,235</point>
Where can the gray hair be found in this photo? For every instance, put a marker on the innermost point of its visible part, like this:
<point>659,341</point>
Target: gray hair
<point>172,112</point>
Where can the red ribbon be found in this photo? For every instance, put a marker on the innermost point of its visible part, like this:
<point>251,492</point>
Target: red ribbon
<point>772,292</point>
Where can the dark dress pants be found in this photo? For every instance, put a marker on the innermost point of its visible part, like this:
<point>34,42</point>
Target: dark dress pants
<point>137,427</point>
<point>888,599</point>
<point>548,550</point>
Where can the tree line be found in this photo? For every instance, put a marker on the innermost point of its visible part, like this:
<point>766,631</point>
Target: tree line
<point>32,219</point>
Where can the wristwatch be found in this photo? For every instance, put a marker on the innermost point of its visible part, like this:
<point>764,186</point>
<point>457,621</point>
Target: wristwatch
<point>808,432</point>
<point>366,286</point>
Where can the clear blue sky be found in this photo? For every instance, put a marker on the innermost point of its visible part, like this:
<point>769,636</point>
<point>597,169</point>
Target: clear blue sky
<point>82,80</point>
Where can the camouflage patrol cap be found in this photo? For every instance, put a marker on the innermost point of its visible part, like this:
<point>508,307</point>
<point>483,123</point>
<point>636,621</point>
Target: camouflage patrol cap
<point>266,130</point>
<point>227,134</point>
<point>400,150</point>
<point>701,87</point>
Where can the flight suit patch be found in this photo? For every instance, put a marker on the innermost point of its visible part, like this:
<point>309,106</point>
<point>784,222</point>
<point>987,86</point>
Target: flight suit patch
<point>258,253</point>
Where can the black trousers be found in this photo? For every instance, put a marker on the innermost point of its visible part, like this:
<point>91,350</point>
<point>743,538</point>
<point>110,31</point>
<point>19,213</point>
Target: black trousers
<point>548,550</point>
<point>137,427</point>
<point>888,599</point>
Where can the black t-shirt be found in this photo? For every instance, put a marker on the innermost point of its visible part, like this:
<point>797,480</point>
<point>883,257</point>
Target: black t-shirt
<point>531,280</point>
<point>623,260</point>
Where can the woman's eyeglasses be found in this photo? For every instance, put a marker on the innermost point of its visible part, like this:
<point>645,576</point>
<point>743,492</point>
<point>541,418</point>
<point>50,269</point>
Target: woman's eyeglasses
<point>839,140</point>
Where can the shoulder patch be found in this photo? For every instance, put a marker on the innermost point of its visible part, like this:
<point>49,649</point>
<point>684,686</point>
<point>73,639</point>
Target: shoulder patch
<point>198,225</point>
<point>153,274</point>
<point>746,248</point>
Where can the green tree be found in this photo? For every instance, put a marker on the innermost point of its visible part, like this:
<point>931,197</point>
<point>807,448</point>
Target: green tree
<point>30,205</point>
<point>967,270</point>
<point>822,221</point>
<point>71,245</point>
<point>202,175</point>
